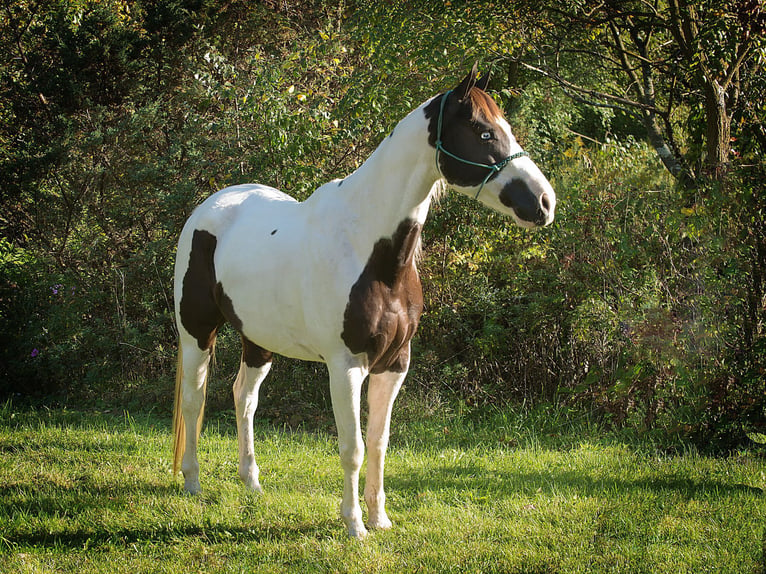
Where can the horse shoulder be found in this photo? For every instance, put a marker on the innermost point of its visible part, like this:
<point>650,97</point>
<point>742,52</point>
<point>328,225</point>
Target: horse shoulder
<point>385,302</point>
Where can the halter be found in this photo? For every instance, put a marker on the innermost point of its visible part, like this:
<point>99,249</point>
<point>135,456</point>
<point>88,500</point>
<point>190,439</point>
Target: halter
<point>493,168</point>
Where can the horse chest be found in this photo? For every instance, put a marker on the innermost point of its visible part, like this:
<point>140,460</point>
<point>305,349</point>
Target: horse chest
<point>385,303</point>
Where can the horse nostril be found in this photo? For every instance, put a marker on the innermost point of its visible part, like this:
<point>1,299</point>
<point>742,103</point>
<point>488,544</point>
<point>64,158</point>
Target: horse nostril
<point>545,202</point>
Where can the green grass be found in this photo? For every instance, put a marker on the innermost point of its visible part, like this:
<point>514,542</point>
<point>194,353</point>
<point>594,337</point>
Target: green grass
<point>84,492</point>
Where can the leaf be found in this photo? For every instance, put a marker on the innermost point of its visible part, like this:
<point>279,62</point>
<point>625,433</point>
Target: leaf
<point>757,437</point>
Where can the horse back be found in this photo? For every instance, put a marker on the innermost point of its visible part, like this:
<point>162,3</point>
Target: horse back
<point>270,266</point>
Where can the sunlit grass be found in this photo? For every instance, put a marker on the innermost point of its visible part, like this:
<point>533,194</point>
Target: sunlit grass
<point>94,493</point>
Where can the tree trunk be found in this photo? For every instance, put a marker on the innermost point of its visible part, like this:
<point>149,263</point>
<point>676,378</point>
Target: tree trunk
<point>658,142</point>
<point>718,144</point>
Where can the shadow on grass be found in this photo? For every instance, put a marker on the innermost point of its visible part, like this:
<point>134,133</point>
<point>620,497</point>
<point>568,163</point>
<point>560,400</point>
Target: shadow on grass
<point>496,484</point>
<point>82,538</point>
<point>47,515</point>
<point>51,504</point>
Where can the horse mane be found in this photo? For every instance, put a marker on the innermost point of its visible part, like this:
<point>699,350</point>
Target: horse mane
<point>483,105</point>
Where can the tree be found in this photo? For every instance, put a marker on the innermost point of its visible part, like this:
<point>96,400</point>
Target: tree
<point>657,59</point>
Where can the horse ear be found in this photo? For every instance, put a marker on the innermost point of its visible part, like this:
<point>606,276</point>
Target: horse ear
<point>482,82</point>
<point>464,88</point>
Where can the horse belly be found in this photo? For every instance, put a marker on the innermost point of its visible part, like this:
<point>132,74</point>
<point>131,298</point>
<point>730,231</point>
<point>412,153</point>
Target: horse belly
<point>276,322</point>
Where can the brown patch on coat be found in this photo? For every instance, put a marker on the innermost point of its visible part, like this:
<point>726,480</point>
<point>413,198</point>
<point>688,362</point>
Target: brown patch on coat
<point>226,306</point>
<point>385,303</point>
<point>205,306</point>
<point>198,309</point>
<point>254,355</point>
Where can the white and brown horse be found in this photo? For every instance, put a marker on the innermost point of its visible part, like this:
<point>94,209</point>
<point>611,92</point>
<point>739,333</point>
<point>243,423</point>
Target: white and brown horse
<point>333,278</point>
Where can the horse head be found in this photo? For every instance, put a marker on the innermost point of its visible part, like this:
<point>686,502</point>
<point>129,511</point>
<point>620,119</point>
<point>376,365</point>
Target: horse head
<point>478,155</point>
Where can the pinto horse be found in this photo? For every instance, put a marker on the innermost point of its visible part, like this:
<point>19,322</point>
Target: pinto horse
<point>334,279</point>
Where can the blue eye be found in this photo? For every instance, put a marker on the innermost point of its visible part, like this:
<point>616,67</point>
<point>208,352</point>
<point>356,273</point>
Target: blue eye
<point>486,136</point>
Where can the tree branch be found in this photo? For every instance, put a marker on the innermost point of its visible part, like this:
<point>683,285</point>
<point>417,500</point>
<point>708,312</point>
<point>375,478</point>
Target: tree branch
<point>626,65</point>
<point>743,50</point>
<point>567,85</point>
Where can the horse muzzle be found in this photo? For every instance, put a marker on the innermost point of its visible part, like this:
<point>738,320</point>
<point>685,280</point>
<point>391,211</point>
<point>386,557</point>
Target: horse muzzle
<point>533,204</point>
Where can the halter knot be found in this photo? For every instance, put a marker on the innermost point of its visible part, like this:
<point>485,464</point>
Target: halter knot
<point>493,168</point>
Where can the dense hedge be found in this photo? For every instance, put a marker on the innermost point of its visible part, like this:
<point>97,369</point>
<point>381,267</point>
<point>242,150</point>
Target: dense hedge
<point>643,303</point>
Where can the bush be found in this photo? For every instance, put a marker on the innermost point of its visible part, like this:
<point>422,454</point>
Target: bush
<point>641,303</point>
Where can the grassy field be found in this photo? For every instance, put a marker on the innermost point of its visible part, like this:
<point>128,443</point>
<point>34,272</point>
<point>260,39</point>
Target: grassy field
<point>85,492</point>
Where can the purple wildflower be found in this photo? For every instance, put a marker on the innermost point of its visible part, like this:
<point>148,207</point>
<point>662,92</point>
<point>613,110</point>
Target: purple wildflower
<point>34,353</point>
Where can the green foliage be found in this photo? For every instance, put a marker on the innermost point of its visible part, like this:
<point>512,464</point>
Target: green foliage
<point>642,303</point>
<point>627,306</point>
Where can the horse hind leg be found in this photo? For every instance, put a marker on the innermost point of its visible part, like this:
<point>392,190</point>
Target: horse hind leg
<point>255,365</point>
<point>191,386</point>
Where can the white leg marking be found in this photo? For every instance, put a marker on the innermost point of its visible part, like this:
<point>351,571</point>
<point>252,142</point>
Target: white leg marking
<point>246,388</point>
<point>195,365</point>
<point>345,390</point>
<point>382,391</point>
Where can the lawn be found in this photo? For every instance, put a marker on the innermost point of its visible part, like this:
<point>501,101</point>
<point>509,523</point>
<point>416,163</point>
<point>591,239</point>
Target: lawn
<point>93,492</point>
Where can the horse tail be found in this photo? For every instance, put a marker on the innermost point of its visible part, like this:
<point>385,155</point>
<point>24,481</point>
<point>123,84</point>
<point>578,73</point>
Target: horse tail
<point>179,440</point>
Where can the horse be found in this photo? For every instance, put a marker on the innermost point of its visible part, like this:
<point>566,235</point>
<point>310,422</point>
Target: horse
<point>334,279</point>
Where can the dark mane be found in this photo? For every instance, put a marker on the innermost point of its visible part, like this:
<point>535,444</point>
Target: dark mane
<point>483,105</point>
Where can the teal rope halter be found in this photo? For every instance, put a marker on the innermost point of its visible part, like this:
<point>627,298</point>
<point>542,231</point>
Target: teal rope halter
<point>492,167</point>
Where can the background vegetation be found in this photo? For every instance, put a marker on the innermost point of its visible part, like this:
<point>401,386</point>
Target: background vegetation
<point>643,305</point>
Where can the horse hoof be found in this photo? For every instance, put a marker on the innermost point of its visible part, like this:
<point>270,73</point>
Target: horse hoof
<point>193,488</point>
<point>380,524</point>
<point>254,487</point>
<point>357,533</point>
<point>355,526</point>
<point>251,482</point>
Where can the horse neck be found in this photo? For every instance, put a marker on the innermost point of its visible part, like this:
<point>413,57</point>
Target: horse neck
<point>397,181</point>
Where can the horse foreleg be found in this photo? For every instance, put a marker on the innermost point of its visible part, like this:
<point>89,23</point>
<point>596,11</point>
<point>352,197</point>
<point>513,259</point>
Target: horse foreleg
<point>246,388</point>
<point>345,391</point>
<point>382,390</point>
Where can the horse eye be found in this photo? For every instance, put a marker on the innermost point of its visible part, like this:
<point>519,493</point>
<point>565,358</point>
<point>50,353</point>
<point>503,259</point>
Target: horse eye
<point>486,136</point>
